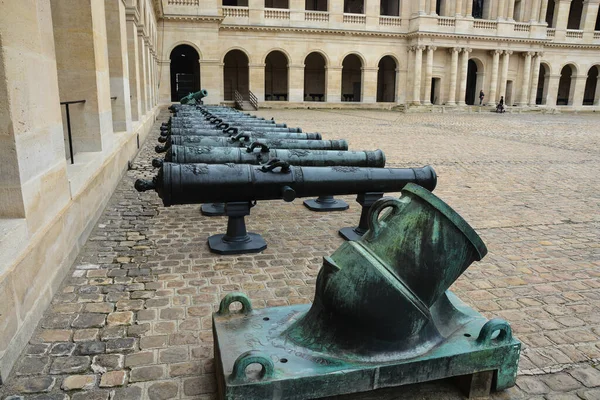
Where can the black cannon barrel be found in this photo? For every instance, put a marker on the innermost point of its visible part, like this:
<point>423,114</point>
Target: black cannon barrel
<point>225,125</point>
<point>303,157</point>
<point>193,141</point>
<point>206,183</point>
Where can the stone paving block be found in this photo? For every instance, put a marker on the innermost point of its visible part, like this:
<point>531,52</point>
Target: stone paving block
<point>120,318</point>
<point>91,395</point>
<point>149,373</point>
<point>128,393</point>
<point>62,349</point>
<point>79,382</point>
<point>163,390</point>
<point>107,362</point>
<point>139,358</point>
<point>90,348</point>
<point>89,320</point>
<point>113,379</point>
<point>32,365</point>
<point>561,382</point>
<point>35,384</point>
<point>84,335</point>
<point>587,375</point>
<point>69,365</point>
<point>592,394</point>
<point>199,385</point>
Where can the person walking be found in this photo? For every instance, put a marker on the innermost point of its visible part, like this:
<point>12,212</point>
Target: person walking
<point>481,96</point>
<point>500,106</point>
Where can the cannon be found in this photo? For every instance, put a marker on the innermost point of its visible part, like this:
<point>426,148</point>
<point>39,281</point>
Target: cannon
<point>382,316</point>
<point>240,185</point>
<point>247,141</point>
<point>302,157</point>
<point>222,126</point>
<point>233,132</point>
<point>196,97</point>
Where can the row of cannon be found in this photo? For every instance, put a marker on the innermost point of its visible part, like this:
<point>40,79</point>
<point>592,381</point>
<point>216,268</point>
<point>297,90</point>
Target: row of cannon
<point>382,314</point>
<point>227,160</point>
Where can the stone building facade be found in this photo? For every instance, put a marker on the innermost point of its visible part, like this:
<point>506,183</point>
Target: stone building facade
<point>382,53</point>
<point>100,56</point>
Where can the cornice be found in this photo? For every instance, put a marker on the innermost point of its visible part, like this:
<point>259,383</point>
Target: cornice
<point>132,14</point>
<point>181,17</point>
<point>339,32</point>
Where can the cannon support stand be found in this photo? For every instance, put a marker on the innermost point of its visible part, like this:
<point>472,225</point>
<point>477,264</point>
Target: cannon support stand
<point>237,240</point>
<point>366,200</point>
<point>326,203</point>
<point>213,209</point>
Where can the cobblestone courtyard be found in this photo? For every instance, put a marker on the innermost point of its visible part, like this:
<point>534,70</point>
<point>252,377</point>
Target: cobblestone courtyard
<point>133,318</point>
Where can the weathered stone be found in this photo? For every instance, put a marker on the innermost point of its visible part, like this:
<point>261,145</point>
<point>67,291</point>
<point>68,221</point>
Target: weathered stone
<point>69,365</point>
<point>89,320</point>
<point>139,358</point>
<point>184,369</point>
<point>104,308</point>
<point>130,305</point>
<point>107,362</point>
<point>173,354</point>
<point>182,338</point>
<point>199,385</point>
<point>53,335</point>
<point>58,321</point>
<point>113,332</point>
<point>153,342</point>
<point>128,393</point>
<point>124,345</point>
<point>172,313</point>
<point>113,378</point>
<point>532,385</point>
<point>120,318</point>
<point>84,335</point>
<point>79,382</point>
<point>91,395</point>
<point>587,375</point>
<point>162,391</point>
<point>37,349</point>
<point>150,373</point>
<point>90,348</point>
<point>560,382</point>
<point>62,349</point>
<point>34,384</point>
<point>32,365</point>
<point>138,330</point>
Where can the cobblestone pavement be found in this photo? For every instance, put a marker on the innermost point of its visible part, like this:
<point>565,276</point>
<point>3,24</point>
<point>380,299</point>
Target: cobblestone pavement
<point>133,319</point>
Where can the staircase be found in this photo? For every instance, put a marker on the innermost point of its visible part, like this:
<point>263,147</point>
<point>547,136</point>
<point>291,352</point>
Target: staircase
<point>245,105</point>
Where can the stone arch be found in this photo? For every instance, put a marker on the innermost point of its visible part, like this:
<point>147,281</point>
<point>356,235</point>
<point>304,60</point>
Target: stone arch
<point>279,49</point>
<point>566,85</point>
<point>315,76</point>
<point>591,92</point>
<point>543,82</point>
<point>235,48</point>
<point>362,58</point>
<point>475,71</point>
<point>185,42</point>
<point>352,66</point>
<point>322,53</point>
<point>236,73</point>
<point>386,79</point>
<point>184,71</point>
<point>276,76</point>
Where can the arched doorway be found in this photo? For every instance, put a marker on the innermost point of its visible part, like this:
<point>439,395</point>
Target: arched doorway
<point>235,74</point>
<point>471,94</point>
<point>315,86</point>
<point>276,77</point>
<point>386,80</point>
<point>542,84</point>
<point>575,14</point>
<point>185,71</point>
<point>591,83</point>
<point>565,86</point>
<point>352,78</point>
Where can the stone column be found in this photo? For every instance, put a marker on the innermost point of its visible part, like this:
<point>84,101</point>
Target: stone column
<point>494,83</point>
<point>511,10</point>
<point>453,72</point>
<point>164,89</point>
<point>534,15</point>
<point>83,72</point>
<point>504,74</point>
<point>257,80</point>
<point>143,74</point>
<point>118,65</point>
<point>501,9</point>
<point>553,82</point>
<point>417,74</point>
<point>432,7</point>
<point>211,78</point>
<point>458,10</point>
<point>369,84</point>
<point>535,78</point>
<point>148,75</point>
<point>526,78</point>
<point>428,74</point>
<point>464,67</point>
<point>597,93</point>
<point>134,67</point>
<point>469,12</point>
<point>543,11</point>
<point>578,90</point>
<point>334,84</point>
<point>588,18</point>
<point>296,83</point>
<point>421,5</point>
<point>561,15</point>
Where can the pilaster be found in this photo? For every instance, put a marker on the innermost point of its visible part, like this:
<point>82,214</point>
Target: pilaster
<point>535,78</point>
<point>369,83</point>
<point>428,74</point>
<point>553,83</point>
<point>164,89</point>
<point>296,83</point>
<point>134,68</point>
<point>526,78</point>
<point>417,74</point>
<point>577,90</point>
<point>453,75</point>
<point>211,78</point>
<point>334,84</point>
<point>504,73</point>
<point>588,18</point>
<point>257,80</point>
<point>494,83</point>
<point>464,66</point>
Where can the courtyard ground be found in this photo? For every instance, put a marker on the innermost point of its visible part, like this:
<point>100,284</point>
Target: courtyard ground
<point>133,318</point>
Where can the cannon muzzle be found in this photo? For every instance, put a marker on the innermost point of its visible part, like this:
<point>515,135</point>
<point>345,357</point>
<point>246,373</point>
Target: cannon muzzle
<point>163,139</point>
<point>157,162</point>
<point>161,149</point>
<point>143,185</point>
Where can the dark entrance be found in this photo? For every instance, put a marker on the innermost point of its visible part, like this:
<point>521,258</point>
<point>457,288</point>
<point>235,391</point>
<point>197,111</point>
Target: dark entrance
<point>563,97</point>
<point>590,87</point>
<point>235,74</point>
<point>386,80</point>
<point>185,71</point>
<point>471,93</point>
<point>276,77</point>
<point>477,8</point>
<point>314,77</point>
<point>351,78</point>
